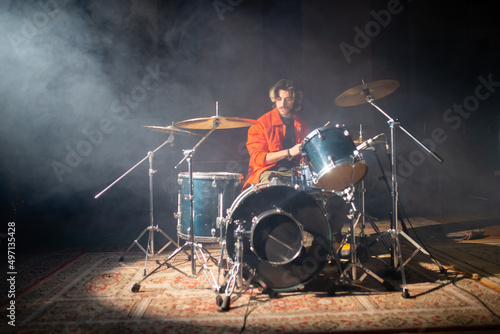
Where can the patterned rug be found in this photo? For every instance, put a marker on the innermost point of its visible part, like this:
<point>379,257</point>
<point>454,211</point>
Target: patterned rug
<point>92,293</point>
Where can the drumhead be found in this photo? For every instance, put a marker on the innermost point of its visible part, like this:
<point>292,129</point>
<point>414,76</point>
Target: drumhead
<point>287,237</point>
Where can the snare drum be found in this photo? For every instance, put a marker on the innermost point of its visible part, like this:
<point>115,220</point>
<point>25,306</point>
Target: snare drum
<point>213,194</point>
<point>302,178</point>
<point>334,160</point>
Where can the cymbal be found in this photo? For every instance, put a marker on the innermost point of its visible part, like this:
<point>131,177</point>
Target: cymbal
<point>374,142</point>
<point>207,123</point>
<point>357,95</point>
<point>170,129</point>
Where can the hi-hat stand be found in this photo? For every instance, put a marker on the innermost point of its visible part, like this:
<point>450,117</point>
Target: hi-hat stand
<point>149,251</point>
<point>396,256</point>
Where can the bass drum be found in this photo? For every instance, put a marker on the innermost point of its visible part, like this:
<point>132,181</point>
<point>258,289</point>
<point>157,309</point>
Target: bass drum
<point>287,237</point>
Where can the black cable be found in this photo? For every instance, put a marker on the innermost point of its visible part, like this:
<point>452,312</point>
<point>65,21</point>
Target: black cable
<point>246,313</point>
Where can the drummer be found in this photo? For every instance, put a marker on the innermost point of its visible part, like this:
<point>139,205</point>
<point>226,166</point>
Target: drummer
<point>274,142</point>
<point>274,147</point>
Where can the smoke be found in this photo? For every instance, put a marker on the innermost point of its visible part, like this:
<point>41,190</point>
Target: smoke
<point>81,79</point>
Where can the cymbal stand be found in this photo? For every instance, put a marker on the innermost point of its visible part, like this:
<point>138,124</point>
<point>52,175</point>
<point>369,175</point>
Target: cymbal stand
<point>396,256</point>
<point>365,217</point>
<point>151,228</point>
<point>362,191</point>
<point>197,251</point>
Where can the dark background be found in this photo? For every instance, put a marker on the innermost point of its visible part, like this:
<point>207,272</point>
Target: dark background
<point>76,90</point>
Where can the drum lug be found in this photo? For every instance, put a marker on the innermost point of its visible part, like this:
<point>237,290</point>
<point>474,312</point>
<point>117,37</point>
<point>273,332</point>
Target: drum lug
<point>220,221</point>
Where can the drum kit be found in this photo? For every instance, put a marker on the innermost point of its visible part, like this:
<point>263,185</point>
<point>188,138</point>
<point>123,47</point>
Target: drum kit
<point>275,236</point>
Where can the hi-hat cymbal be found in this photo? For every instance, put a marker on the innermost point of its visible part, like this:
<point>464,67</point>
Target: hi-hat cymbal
<point>170,129</point>
<point>207,123</point>
<point>357,95</point>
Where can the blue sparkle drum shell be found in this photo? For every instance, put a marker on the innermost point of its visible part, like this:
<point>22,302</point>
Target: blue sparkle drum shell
<point>213,194</point>
<point>333,158</point>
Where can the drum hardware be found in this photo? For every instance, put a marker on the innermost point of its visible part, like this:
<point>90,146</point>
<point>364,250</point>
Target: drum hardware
<point>369,144</point>
<point>235,278</point>
<point>197,251</point>
<point>277,237</point>
<point>150,249</point>
<point>368,93</point>
<point>350,238</point>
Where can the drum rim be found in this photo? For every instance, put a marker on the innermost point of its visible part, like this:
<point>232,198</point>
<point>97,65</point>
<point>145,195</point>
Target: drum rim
<point>255,189</point>
<point>210,175</point>
<point>314,132</point>
<point>255,223</point>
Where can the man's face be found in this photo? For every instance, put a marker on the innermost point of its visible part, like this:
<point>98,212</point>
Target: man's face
<point>284,103</point>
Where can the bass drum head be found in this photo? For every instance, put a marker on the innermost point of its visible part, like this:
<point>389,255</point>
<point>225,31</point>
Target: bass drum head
<point>287,237</point>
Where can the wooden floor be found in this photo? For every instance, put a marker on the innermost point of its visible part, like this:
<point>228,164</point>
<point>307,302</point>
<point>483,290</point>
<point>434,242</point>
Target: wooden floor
<point>469,244</point>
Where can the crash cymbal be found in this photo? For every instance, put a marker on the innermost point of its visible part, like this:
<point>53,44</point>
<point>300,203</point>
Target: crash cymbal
<point>357,95</point>
<point>170,129</point>
<point>207,123</point>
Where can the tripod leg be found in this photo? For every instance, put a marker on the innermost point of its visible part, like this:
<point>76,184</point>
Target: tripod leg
<point>398,262</point>
<point>135,242</point>
<point>136,287</point>
<point>171,241</point>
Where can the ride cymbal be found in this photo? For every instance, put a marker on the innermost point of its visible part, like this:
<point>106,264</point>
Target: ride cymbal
<point>357,95</point>
<point>170,129</point>
<point>207,123</point>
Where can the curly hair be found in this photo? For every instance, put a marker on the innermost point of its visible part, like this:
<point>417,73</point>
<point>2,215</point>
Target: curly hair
<point>292,88</point>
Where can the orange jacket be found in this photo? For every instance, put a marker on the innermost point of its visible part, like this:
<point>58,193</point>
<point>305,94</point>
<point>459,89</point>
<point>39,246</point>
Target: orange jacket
<point>267,136</point>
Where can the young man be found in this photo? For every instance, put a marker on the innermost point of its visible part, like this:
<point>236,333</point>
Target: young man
<point>274,147</point>
<point>274,142</point>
